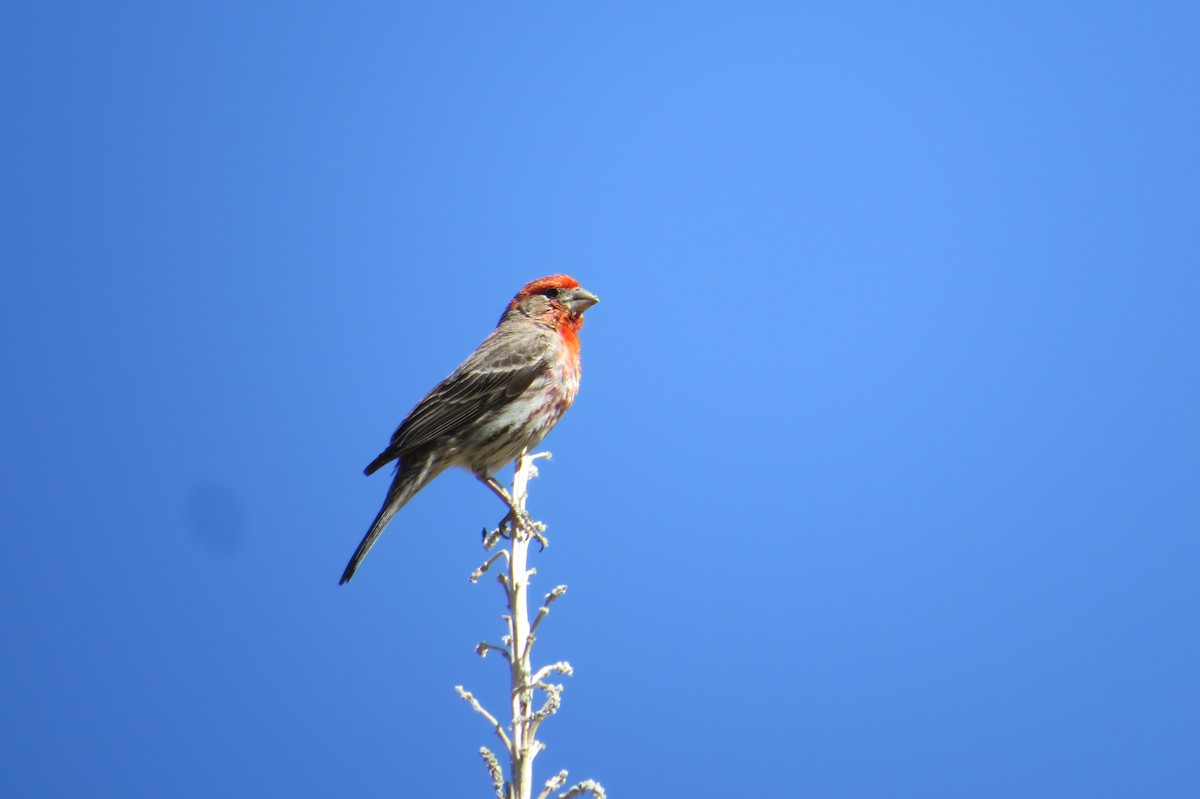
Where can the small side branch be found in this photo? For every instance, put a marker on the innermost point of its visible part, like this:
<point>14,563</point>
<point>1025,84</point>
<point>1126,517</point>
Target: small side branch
<point>553,702</point>
<point>497,774</point>
<point>554,783</point>
<point>475,575</point>
<point>483,647</point>
<point>544,610</point>
<point>562,667</point>
<point>585,787</point>
<point>467,696</point>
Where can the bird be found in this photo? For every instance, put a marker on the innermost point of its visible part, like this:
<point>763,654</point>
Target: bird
<point>503,399</point>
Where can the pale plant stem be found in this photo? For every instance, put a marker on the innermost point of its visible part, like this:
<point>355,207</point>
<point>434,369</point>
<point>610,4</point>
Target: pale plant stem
<point>518,595</point>
<point>521,742</point>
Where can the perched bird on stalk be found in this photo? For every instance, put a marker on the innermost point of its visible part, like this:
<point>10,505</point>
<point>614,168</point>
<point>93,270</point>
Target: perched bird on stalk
<point>502,399</point>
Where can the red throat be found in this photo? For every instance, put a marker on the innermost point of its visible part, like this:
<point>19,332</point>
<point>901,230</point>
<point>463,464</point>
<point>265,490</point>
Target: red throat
<point>568,328</point>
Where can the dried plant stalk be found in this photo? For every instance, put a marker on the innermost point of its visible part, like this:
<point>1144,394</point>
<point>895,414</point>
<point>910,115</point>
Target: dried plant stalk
<point>518,530</point>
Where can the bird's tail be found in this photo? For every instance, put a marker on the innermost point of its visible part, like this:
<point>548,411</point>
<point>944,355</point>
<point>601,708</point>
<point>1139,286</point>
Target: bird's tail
<point>411,477</point>
<point>386,456</point>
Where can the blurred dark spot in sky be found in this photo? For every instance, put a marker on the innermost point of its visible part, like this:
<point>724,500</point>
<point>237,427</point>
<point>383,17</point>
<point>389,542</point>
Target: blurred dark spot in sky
<point>216,517</point>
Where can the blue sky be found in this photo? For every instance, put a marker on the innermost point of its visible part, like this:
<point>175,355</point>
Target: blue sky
<point>883,477</point>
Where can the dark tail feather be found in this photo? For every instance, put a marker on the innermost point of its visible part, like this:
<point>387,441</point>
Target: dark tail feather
<point>387,456</point>
<point>410,478</point>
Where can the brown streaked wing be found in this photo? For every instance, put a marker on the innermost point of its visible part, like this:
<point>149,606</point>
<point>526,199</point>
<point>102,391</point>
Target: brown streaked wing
<point>476,387</point>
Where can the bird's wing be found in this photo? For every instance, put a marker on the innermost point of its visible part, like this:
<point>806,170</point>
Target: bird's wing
<point>492,377</point>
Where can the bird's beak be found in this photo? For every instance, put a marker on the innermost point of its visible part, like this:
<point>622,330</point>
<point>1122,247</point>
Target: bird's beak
<point>579,300</point>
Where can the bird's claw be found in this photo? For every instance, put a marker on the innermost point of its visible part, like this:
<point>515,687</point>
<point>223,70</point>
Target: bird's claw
<point>516,520</point>
<point>523,520</point>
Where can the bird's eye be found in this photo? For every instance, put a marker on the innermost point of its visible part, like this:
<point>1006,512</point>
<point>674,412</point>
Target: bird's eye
<point>551,293</point>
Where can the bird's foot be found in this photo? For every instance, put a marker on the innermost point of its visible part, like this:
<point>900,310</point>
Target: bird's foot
<point>518,523</point>
<point>517,520</point>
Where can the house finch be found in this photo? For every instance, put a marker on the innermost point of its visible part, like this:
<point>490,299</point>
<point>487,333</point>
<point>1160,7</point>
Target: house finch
<point>505,397</point>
